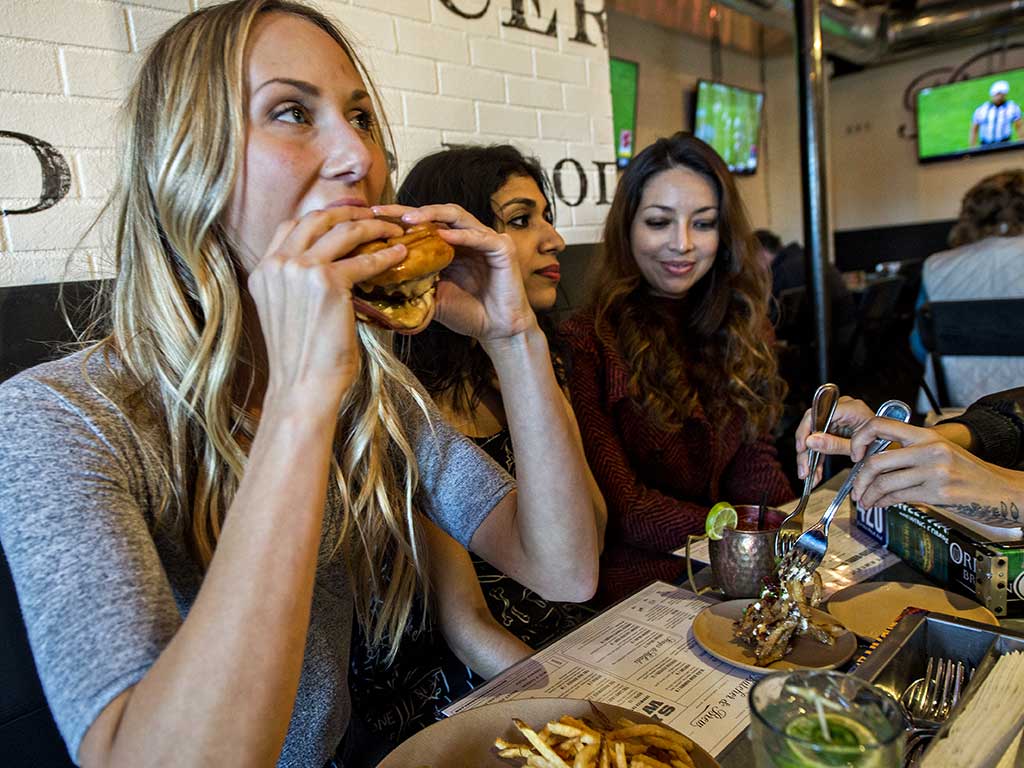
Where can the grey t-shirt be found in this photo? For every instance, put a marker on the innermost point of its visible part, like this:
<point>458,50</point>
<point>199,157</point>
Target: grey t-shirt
<point>103,586</point>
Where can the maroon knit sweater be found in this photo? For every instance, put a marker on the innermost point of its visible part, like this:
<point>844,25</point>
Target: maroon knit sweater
<point>658,485</point>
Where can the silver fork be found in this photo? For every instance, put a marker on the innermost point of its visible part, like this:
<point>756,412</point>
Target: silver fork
<point>809,549</point>
<point>823,408</point>
<point>929,700</point>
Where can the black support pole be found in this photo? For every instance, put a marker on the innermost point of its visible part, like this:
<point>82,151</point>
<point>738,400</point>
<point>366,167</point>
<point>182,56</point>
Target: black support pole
<point>817,233</point>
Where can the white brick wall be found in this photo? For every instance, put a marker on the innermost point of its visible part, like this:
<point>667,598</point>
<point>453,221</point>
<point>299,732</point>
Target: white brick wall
<point>554,65</point>
<point>406,73</point>
<point>28,68</point>
<point>410,9</point>
<point>368,29</point>
<point>72,122</point>
<point>471,83</point>
<point>97,172</point>
<point>65,66</point>
<point>103,74</point>
<point>58,227</point>
<point>565,125</point>
<point>22,176</point>
<point>423,39</point>
<point>145,25</point>
<point>503,57</point>
<point>75,22</point>
<point>501,119</point>
<point>531,92</point>
<point>590,100</point>
<point>432,111</point>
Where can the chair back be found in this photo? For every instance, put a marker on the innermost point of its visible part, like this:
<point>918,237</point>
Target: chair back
<point>28,735</point>
<point>33,328</point>
<point>879,301</point>
<point>794,315</point>
<point>982,327</point>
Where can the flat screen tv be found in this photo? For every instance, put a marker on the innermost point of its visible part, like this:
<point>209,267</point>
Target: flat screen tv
<point>968,117</point>
<point>729,119</point>
<point>624,77</point>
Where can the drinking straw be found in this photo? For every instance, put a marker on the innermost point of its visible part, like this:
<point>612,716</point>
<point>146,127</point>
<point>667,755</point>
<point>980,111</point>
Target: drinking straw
<point>822,722</point>
<point>761,511</point>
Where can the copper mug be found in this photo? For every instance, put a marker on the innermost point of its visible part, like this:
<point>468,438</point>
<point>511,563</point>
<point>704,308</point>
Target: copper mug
<point>745,556</point>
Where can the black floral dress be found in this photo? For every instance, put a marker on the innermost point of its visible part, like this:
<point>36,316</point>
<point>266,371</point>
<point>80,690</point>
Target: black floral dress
<point>521,611</point>
<point>392,702</point>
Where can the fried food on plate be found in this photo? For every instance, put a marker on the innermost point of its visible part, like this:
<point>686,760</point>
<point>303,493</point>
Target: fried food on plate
<point>570,742</point>
<point>771,623</point>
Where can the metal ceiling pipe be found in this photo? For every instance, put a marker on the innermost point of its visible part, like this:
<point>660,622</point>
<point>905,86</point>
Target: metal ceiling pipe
<point>849,30</point>
<point>817,232</point>
<point>939,23</point>
<point>871,35</point>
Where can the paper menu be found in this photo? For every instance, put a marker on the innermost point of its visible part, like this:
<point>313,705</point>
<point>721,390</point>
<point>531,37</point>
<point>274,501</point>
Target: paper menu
<point>852,556</point>
<point>639,654</point>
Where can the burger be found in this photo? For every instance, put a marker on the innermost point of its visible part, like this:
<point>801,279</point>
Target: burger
<point>402,297</point>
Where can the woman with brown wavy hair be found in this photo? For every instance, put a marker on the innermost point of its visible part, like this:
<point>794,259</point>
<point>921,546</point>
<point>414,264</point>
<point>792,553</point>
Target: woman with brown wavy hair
<point>673,379</point>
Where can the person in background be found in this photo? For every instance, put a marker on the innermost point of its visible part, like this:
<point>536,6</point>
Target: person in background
<point>998,120</point>
<point>972,464</point>
<point>195,507</point>
<point>395,697</point>
<point>985,261</point>
<point>788,265</point>
<point>673,377</point>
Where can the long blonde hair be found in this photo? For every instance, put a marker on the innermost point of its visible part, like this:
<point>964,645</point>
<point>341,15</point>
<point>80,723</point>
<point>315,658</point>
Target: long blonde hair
<point>177,317</point>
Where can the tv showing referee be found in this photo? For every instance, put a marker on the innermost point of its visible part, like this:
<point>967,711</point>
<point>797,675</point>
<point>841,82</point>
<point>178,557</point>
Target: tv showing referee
<point>967,117</point>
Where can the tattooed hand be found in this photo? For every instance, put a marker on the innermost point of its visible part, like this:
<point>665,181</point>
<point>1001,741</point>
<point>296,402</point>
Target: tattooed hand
<point>930,469</point>
<point>1008,511</point>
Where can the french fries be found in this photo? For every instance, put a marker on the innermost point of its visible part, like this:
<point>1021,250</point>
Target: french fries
<point>573,743</point>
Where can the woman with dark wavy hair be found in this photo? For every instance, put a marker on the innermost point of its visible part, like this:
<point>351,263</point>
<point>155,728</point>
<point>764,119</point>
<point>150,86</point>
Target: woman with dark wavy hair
<point>508,192</point>
<point>673,378</point>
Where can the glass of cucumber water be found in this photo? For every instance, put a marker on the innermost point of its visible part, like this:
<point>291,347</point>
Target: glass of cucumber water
<point>810,719</point>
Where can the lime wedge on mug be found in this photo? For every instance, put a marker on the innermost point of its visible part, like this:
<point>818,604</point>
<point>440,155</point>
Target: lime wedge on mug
<point>722,516</point>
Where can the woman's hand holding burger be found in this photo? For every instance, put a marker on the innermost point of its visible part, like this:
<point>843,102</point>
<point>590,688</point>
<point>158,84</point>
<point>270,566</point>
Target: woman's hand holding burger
<point>332,267</point>
<point>481,292</point>
<point>303,291</point>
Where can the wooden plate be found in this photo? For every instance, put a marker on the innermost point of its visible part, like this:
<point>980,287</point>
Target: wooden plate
<point>870,607</point>
<point>713,631</point>
<point>465,740</point>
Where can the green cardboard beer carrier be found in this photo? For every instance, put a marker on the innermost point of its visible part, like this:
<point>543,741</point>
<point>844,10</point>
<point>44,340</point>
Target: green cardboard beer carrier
<point>956,556</point>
